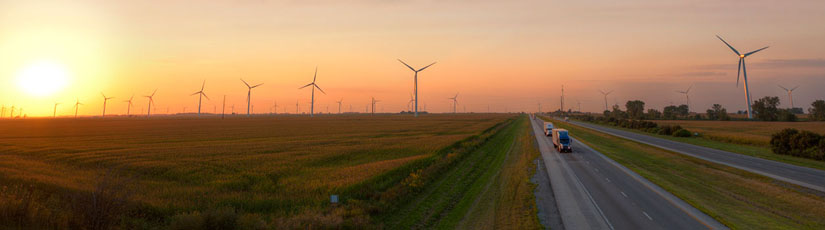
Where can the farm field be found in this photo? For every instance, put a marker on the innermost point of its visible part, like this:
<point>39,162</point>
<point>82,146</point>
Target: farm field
<point>737,198</point>
<point>743,132</point>
<point>266,169</point>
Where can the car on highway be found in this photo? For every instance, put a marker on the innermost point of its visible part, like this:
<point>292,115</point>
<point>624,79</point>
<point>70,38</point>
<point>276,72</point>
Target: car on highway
<point>548,128</point>
<point>561,140</point>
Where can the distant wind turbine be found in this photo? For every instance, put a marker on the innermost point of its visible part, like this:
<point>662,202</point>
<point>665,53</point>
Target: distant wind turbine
<point>312,103</point>
<point>54,114</point>
<point>76,106</point>
<point>790,93</point>
<point>249,96</point>
<point>605,98</point>
<point>687,95</point>
<point>200,94</point>
<point>339,105</point>
<point>105,99</point>
<point>415,82</point>
<point>129,107</point>
<point>373,104</point>
<point>744,71</point>
<point>455,101</point>
<point>151,101</point>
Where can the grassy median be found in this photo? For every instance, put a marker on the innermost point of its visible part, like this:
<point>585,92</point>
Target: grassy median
<point>737,198</point>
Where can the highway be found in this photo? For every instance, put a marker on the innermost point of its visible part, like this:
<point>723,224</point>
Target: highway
<point>611,195</point>
<point>803,176</point>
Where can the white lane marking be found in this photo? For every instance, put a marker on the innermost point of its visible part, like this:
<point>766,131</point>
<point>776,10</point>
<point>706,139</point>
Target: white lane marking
<point>608,179</point>
<point>625,195</point>
<point>648,216</point>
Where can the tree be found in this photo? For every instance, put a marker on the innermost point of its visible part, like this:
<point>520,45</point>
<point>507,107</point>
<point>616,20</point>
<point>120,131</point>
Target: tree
<point>817,110</point>
<point>654,114</point>
<point>618,113</point>
<point>670,112</point>
<point>765,108</point>
<point>635,109</point>
<point>717,112</point>
<point>786,115</point>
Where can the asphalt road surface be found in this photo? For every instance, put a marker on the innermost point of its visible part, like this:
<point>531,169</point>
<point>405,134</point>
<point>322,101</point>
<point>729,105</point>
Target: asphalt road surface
<point>803,176</point>
<point>622,198</point>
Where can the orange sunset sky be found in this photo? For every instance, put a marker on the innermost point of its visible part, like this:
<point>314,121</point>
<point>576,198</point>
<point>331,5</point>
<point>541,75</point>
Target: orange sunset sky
<point>502,54</point>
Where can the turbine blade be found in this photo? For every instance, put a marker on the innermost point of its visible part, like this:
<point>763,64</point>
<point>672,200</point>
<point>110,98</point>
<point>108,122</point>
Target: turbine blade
<point>316,75</point>
<point>780,86</point>
<point>305,86</point>
<point>425,67</point>
<point>408,66</point>
<point>688,90</point>
<point>195,93</point>
<point>729,46</point>
<point>794,88</point>
<point>256,85</point>
<point>753,52</point>
<point>153,92</point>
<point>204,95</point>
<point>611,91</point>
<point>202,85</point>
<point>739,70</point>
<point>244,82</point>
<point>319,88</point>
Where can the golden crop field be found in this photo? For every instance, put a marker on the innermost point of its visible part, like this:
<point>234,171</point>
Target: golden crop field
<point>743,132</point>
<point>278,166</point>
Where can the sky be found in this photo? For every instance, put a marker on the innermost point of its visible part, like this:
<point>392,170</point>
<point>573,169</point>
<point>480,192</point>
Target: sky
<point>501,55</point>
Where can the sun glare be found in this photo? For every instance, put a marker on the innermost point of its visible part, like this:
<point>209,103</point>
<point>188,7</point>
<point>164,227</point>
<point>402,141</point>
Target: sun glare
<point>43,78</point>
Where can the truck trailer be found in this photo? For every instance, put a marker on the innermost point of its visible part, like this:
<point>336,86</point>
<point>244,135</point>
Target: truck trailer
<point>548,128</point>
<point>561,140</point>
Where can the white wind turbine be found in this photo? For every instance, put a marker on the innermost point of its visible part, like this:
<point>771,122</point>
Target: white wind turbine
<point>373,104</point>
<point>200,94</point>
<point>409,103</point>
<point>455,101</point>
<point>744,71</point>
<point>687,95</point>
<point>129,107</point>
<point>105,99</point>
<point>415,82</point>
<point>151,101</point>
<point>312,103</point>
<point>54,114</point>
<point>249,95</point>
<point>76,106</point>
<point>605,98</point>
<point>339,104</point>
<point>790,93</point>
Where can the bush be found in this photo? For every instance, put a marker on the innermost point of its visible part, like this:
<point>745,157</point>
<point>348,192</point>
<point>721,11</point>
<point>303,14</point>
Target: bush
<point>798,143</point>
<point>681,133</point>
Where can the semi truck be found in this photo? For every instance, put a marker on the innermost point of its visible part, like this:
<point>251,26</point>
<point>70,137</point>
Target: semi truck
<point>548,128</point>
<point>561,140</point>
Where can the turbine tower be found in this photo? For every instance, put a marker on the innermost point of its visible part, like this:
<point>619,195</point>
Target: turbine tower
<point>249,95</point>
<point>54,114</point>
<point>151,101</point>
<point>105,99</point>
<point>200,94</point>
<point>790,93</point>
<point>129,107</point>
<point>339,104</point>
<point>415,82</point>
<point>76,105</point>
<point>687,95</point>
<point>605,98</point>
<point>312,103</point>
<point>744,72</point>
<point>455,101</point>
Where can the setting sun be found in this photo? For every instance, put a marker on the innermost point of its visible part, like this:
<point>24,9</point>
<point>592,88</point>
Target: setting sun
<point>43,78</point>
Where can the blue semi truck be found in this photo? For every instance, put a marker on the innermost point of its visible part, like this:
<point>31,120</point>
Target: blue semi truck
<point>562,141</point>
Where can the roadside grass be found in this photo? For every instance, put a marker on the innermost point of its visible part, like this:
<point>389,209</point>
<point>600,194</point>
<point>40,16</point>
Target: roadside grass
<point>508,202</point>
<point>448,200</point>
<point>261,169</point>
<point>736,198</point>
<point>761,151</point>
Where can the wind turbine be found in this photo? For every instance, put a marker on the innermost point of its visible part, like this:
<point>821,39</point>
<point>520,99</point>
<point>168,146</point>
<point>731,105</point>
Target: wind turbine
<point>605,98</point>
<point>129,108</point>
<point>790,93</point>
<point>455,101</point>
<point>105,99</point>
<point>415,82</point>
<point>54,114</point>
<point>200,94</point>
<point>249,95</point>
<point>339,105</point>
<point>151,101</point>
<point>409,103</point>
<point>312,103</point>
<point>76,106</point>
<point>687,95</point>
<point>373,104</point>
<point>744,71</point>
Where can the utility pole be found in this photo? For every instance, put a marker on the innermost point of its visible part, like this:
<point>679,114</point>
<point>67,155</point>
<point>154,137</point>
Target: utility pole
<point>223,107</point>
<point>562,99</point>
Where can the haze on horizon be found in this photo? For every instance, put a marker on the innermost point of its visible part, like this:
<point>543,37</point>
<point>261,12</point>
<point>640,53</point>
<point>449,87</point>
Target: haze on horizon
<point>510,54</point>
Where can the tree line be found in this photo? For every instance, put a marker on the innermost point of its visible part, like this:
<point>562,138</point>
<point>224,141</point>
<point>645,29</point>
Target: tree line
<point>764,109</point>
